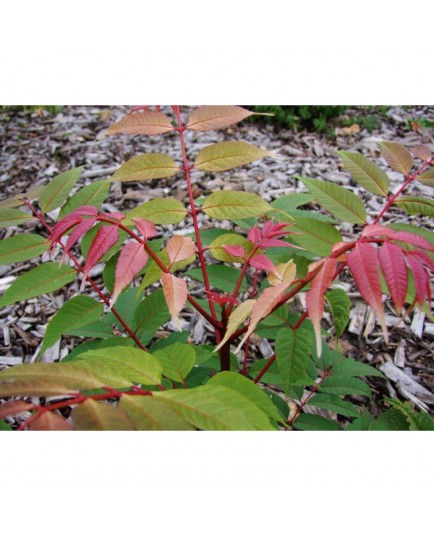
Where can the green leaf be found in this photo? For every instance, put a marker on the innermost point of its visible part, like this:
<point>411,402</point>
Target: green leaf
<point>100,416</point>
<point>17,200</point>
<point>55,192</point>
<point>397,156</point>
<point>292,354</point>
<point>45,379</point>
<point>248,389</point>
<point>221,277</point>
<point>151,314</point>
<point>427,178</point>
<point>94,195</point>
<point>126,306</point>
<point>333,403</point>
<point>151,413</point>
<point>10,217</point>
<point>362,423</point>
<point>228,155</point>
<point>417,420</point>
<point>390,421</point>
<point>166,210</point>
<point>366,173</point>
<point>351,367</point>
<point>177,360</point>
<point>145,167</point>
<point>22,247</point>
<point>40,280</point>
<point>307,421</point>
<point>121,366</point>
<point>345,385</point>
<point>229,239</point>
<point>416,205</point>
<point>4,427</point>
<point>95,345</point>
<point>340,305</point>
<point>78,311</point>
<point>292,201</point>
<point>100,329</point>
<point>340,202</point>
<point>230,205</point>
<point>214,407</point>
<point>315,236</point>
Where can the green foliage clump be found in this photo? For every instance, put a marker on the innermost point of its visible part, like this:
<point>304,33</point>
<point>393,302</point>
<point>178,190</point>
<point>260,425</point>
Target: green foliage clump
<point>299,117</point>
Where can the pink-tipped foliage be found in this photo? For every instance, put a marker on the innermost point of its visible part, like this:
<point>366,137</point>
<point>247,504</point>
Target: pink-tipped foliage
<point>421,280</point>
<point>146,227</point>
<point>236,251</point>
<point>267,237</point>
<point>401,236</point>
<point>77,233</point>
<point>423,257</point>
<point>392,261</point>
<point>131,260</point>
<point>365,267</point>
<point>104,239</point>
<point>261,262</point>
<point>315,296</point>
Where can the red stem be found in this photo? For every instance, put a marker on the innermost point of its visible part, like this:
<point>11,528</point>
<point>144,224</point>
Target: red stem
<point>309,396</point>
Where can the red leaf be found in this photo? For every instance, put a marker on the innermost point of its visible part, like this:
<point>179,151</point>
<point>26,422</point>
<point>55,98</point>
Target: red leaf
<point>77,233</point>
<point>180,248</point>
<point>236,251</point>
<point>104,239</point>
<point>261,262</point>
<point>315,296</point>
<point>146,227</point>
<point>263,307</point>
<point>13,407</point>
<point>422,256</point>
<point>413,239</point>
<point>175,293</point>
<point>376,230</point>
<point>421,280</point>
<point>131,260</point>
<point>114,215</point>
<point>254,235</point>
<point>50,421</point>
<point>72,219</point>
<point>392,261</point>
<point>364,265</point>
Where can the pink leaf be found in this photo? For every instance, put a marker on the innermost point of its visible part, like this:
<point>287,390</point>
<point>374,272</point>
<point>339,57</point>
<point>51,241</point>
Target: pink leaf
<point>77,233</point>
<point>422,256</point>
<point>269,299</point>
<point>422,151</point>
<point>236,251</point>
<point>413,239</point>
<point>276,243</point>
<point>175,293</point>
<point>254,235</point>
<point>421,279</point>
<point>364,265</point>
<point>114,215</point>
<point>392,261</point>
<point>180,248</point>
<point>261,262</point>
<point>131,260</point>
<point>315,296</point>
<point>146,227</point>
<point>86,210</point>
<point>377,230</point>
<point>104,239</point>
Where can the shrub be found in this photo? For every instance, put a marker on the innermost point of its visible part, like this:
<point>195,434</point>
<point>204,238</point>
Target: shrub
<point>242,283</point>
